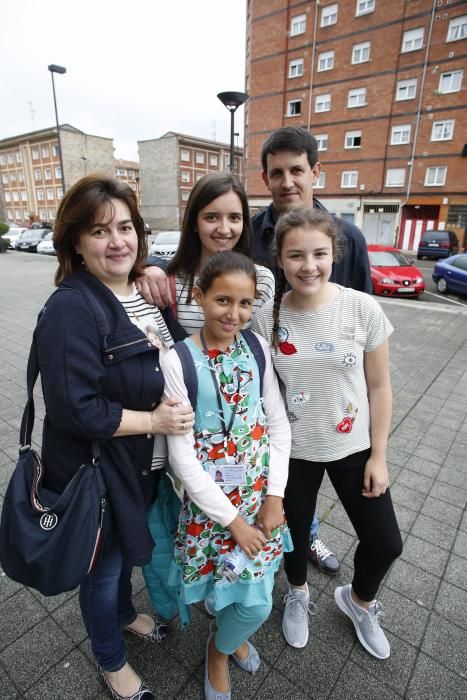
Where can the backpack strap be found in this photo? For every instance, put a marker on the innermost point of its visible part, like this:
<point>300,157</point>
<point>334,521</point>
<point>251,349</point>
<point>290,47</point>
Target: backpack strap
<point>189,371</point>
<point>257,350</point>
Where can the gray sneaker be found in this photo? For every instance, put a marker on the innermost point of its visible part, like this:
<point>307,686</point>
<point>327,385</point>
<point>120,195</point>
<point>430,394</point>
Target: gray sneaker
<point>366,622</point>
<point>295,618</point>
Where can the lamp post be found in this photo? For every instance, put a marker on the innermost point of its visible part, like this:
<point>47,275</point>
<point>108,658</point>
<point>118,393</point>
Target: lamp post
<point>232,100</point>
<point>61,70</point>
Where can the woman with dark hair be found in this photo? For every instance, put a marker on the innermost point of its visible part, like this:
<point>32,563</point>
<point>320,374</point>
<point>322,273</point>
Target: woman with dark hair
<point>102,383</point>
<point>216,219</point>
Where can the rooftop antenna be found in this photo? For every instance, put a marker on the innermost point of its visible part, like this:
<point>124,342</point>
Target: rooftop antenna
<point>33,112</point>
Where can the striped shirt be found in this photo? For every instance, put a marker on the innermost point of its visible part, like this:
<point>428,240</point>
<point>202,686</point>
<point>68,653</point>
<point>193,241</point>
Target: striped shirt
<point>149,320</point>
<point>320,363</point>
<point>191,316</point>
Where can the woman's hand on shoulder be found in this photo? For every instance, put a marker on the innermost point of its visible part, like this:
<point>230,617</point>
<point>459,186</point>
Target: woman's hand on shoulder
<point>376,477</point>
<point>250,538</point>
<point>172,417</point>
<point>270,515</point>
<point>153,285</point>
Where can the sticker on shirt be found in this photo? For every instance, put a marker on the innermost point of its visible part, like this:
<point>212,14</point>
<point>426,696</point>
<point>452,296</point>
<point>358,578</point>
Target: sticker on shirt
<point>346,424</point>
<point>300,398</point>
<point>155,337</point>
<point>350,360</point>
<point>285,347</point>
<point>292,417</point>
<point>324,346</point>
<point>228,474</point>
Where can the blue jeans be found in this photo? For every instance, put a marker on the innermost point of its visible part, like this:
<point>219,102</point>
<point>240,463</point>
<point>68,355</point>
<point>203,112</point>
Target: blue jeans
<point>106,607</point>
<point>236,622</point>
<point>314,527</point>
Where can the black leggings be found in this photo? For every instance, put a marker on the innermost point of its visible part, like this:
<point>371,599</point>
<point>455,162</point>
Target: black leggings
<point>373,519</point>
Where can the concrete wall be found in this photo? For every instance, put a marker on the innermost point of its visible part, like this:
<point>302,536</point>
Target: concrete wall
<point>84,154</point>
<point>158,160</point>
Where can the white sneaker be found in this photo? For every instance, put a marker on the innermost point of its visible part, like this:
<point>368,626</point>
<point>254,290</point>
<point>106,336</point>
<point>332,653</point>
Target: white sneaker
<point>295,618</point>
<point>366,622</point>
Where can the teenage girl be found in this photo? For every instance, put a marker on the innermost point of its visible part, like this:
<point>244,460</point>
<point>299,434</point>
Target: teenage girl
<point>330,350</point>
<point>247,437</point>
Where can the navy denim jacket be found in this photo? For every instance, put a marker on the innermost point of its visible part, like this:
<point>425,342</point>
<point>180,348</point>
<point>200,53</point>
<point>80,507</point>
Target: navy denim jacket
<point>87,380</point>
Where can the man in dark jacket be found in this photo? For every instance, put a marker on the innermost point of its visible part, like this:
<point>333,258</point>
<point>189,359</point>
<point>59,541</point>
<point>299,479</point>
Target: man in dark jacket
<point>289,158</point>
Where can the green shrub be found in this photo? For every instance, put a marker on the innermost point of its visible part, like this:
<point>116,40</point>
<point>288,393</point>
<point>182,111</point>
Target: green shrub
<point>4,243</point>
<point>3,228</point>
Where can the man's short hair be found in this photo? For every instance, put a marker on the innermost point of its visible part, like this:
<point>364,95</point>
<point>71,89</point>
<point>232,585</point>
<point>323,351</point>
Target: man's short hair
<point>290,138</point>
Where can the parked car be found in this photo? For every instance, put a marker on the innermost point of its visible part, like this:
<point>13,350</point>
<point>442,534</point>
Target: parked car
<point>41,224</point>
<point>30,239</point>
<point>451,275</point>
<point>13,233</point>
<point>165,244</point>
<point>437,244</point>
<point>46,246</point>
<point>392,274</point>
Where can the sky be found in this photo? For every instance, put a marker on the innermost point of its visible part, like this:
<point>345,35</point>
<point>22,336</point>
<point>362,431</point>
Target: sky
<point>135,68</point>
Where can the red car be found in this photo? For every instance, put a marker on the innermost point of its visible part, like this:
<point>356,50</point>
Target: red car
<point>392,274</point>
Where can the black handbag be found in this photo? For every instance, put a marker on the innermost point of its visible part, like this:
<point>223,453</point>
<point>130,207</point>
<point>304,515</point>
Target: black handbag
<point>50,541</point>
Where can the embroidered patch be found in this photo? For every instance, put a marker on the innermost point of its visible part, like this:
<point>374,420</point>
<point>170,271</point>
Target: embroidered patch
<point>350,360</point>
<point>346,424</point>
<point>300,398</point>
<point>282,334</point>
<point>324,347</point>
<point>285,347</point>
<point>293,418</point>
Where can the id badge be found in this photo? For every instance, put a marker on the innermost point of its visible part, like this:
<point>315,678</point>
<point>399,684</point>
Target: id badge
<point>228,474</point>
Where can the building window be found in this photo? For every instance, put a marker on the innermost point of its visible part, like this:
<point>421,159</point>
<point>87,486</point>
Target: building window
<point>185,176</point>
<point>356,98</point>
<point>184,155</point>
<point>321,181</point>
<point>2,159</point>
<point>199,157</point>
<point>43,214</point>
<point>349,178</point>
<point>406,89</point>
<point>24,197</point>
<point>400,134</point>
<point>442,131</point>
<point>361,52</point>
<point>364,7</point>
<point>322,141</point>
<point>412,40</point>
<point>329,15</point>
<point>51,215</point>
<point>13,177</point>
<point>296,68</point>
<point>450,82</point>
<point>435,177</point>
<point>294,107</point>
<point>18,156</point>
<point>323,103</point>
<point>40,195</point>
<point>395,177</point>
<point>37,174</point>
<point>457,28</point>
<point>47,173</point>
<point>35,153</point>
<point>11,160</point>
<point>50,194</point>
<point>213,161</point>
<point>298,25</point>
<point>199,176</point>
<point>353,139</point>
<point>59,192</point>
<point>45,151</point>
<point>5,178</point>
<point>58,173</point>
<point>7,197</point>
<point>55,150</point>
<point>15,196</point>
<point>185,195</point>
<point>326,60</point>
<point>18,214</point>
<point>20,176</point>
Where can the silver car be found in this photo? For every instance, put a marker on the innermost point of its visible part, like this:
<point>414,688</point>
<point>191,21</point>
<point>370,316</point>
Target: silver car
<point>46,246</point>
<point>165,245</point>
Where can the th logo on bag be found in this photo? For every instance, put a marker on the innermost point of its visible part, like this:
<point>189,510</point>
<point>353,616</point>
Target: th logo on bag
<point>48,521</point>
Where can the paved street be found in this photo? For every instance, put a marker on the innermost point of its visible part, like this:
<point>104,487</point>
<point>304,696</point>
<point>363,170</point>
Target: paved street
<point>44,650</point>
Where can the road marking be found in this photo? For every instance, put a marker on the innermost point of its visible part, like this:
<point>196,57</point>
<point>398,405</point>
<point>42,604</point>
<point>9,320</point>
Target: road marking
<point>444,298</point>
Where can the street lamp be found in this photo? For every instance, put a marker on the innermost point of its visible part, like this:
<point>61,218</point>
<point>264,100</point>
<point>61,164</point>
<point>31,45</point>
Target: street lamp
<point>61,70</point>
<point>232,100</point>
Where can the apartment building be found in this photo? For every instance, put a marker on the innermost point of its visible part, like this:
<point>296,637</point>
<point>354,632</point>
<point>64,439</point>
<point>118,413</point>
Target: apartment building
<point>30,172</point>
<point>382,87</point>
<point>170,166</point>
<point>127,171</point>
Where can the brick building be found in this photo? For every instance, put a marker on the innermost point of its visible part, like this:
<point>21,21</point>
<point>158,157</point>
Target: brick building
<point>128,171</point>
<point>382,87</point>
<point>170,166</point>
<point>30,173</point>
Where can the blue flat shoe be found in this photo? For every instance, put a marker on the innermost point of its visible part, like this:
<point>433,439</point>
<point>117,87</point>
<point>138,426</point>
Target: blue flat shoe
<point>209,692</point>
<point>252,661</point>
